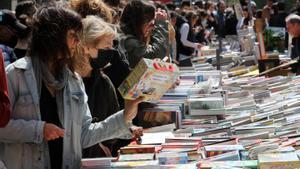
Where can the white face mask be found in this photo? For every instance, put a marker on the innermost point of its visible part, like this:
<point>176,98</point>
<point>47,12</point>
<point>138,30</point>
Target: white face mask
<point>204,23</point>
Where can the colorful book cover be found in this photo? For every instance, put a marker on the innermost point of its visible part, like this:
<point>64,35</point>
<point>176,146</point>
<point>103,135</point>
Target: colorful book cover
<point>172,158</point>
<point>251,164</point>
<point>150,79</point>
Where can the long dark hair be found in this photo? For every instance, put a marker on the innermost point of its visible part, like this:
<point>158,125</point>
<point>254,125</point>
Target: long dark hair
<point>49,34</point>
<point>135,14</point>
<point>190,16</point>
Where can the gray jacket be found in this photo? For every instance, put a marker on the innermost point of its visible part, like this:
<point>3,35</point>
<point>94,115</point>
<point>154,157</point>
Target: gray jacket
<point>22,144</point>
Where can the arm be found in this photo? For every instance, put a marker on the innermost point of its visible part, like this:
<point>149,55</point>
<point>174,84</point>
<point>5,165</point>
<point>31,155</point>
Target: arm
<point>240,23</point>
<point>155,49</point>
<point>19,130</point>
<point>112,127</point>
<point>174,50</point>
<point>184,31</point>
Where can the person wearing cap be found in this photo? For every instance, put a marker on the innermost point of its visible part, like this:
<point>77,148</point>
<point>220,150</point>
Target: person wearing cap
<point>9,29</point>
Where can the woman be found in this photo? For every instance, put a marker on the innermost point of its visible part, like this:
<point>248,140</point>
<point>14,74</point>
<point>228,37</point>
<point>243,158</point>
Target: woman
<point>186,40</point>
<point>137,22</point>
<point>51,121</point>
<point>210,9</point>
<point>244,21</point>
<point>118,68</point>
<point>202,31</point>
<point>97,38</point>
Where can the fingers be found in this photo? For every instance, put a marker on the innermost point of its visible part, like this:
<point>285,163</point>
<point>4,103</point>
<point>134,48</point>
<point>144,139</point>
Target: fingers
<point>139,100</point>
<point>60,132</point>
<point>137,131</point>
<point>52,132</point>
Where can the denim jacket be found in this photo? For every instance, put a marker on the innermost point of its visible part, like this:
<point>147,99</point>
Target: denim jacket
<point>22,145</point>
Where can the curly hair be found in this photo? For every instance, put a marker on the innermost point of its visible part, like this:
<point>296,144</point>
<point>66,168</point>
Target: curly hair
<point>93,7</point>
<point>49,34</point>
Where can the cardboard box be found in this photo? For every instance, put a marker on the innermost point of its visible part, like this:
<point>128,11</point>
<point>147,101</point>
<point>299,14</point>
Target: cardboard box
<point>150,78</point>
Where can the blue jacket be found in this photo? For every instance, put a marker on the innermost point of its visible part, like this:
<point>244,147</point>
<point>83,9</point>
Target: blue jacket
<point>22,144</point>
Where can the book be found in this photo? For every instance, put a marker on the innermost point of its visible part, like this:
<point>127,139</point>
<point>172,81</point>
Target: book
<point>172,158</point>
<point>155,138</point>
<point>229,156</point>
<point>179,145</point>
<point>213,150</point>
<point>251,164</point>
<point>96,163</point>
<point>206,106</point>
<point>137,157</point>
<point>150,79</point>
<point>183,140</point>
<point>137,149</point>
<point>153,117</point>
<point>135,164</point>
<point>163,128</point>
<point>279,160</point>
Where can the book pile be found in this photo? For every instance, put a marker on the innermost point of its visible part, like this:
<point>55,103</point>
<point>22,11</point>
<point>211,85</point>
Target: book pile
<point>220,121</point>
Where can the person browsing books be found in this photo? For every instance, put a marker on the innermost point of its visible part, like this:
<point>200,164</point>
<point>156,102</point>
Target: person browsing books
<point>51,118</point>
<point>96,40</point>
<point>146,34</point>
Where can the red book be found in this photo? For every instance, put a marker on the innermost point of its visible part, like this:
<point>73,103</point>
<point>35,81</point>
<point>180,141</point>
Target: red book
<point>4,101</point>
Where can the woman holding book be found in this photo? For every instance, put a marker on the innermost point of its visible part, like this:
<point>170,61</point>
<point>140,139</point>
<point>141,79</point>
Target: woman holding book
<point>97,38</point>
<point>50,121</point>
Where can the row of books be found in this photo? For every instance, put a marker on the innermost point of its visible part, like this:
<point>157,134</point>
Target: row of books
<point>216,120</point>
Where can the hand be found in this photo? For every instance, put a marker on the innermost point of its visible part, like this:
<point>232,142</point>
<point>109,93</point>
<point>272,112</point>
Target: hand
<point>137,131</point>
<point>131,107</point>
<point>176,62</point>
<point>176,83</point>
<point>199,45</point>
<point>161,14</point>
<point>52,132</point>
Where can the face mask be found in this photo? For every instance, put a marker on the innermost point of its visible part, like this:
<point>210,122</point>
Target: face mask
<point>104,57</point>
<point>204,23</point>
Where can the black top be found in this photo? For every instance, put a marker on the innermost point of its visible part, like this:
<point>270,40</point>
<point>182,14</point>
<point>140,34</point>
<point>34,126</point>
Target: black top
<point>118,70</point>
<point>102,96</point>
<point>49,114</point>
<point>20,53</point>
<point>102,103</point>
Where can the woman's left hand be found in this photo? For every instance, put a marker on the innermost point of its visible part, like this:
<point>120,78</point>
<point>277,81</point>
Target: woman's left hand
<point>137,131</point>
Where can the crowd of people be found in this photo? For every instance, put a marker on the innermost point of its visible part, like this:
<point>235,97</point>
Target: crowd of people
<point>64,61</point>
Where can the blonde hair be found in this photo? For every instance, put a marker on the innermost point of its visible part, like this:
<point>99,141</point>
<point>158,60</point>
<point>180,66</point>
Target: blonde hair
<point>94,29</point>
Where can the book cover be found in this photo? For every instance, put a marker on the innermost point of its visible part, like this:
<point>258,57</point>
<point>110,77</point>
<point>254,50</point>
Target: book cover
<point>150,79</point>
